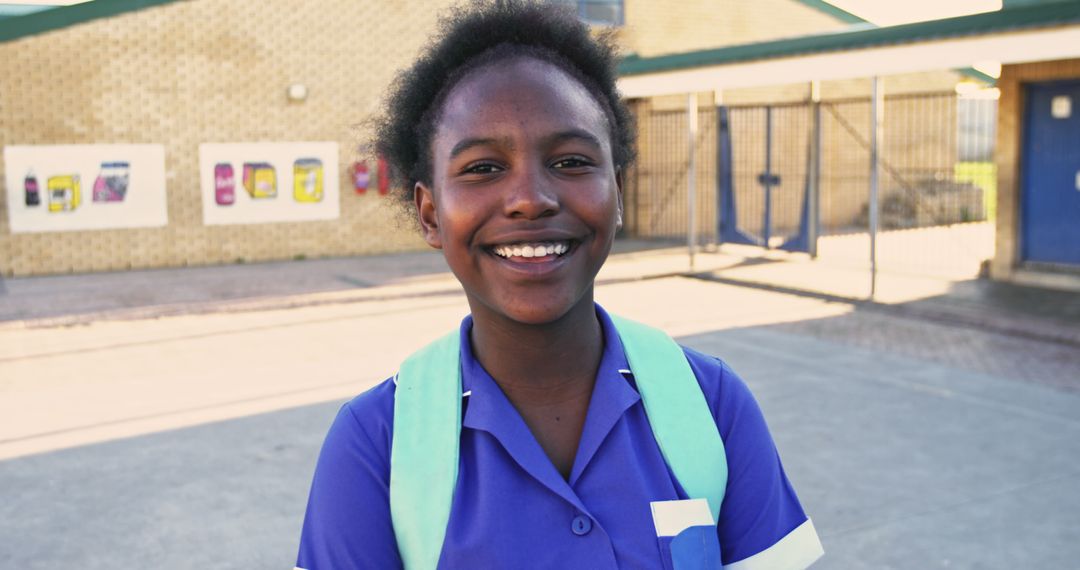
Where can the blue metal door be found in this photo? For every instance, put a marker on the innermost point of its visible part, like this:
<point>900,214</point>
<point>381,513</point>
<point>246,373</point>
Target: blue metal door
<point>1050,183</point>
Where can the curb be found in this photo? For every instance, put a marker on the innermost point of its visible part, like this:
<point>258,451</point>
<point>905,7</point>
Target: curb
<point>443,285</point>
<point>435,287</point>
<point>1018,326</point>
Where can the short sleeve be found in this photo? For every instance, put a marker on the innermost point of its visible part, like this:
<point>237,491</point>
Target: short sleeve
<point>761,525</point>
<point>347,523</point>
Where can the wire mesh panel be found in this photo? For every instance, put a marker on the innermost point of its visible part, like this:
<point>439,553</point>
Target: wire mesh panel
<point>845,166</point>
<point>936,179</point>
<point>936,173</point>
<point>657,205</point>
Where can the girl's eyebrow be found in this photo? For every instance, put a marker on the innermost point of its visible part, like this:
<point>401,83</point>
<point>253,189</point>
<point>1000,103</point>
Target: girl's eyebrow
<point>578,135</point>
<point>465,144</point>
<point>551,140</point>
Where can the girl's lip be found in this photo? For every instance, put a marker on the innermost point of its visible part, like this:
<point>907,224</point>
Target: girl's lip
<point>530,250</point>
<point>535,266</point>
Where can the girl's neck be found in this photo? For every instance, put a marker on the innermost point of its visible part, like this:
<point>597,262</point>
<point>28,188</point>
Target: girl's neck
<point>539,365</point>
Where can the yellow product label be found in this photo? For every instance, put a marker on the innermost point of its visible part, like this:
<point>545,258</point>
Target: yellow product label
<point>63,193</point>
<point>265,183</point>
<point>308,181</point>
<point>260,180</point>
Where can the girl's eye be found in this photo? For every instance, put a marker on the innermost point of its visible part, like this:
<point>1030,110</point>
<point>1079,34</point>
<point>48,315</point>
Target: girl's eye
<point>571,162</point>
<point>481,168</point>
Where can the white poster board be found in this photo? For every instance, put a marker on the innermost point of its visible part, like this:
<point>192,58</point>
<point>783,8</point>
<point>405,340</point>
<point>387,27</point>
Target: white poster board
<point>55,188</point>
<point>254,183</point>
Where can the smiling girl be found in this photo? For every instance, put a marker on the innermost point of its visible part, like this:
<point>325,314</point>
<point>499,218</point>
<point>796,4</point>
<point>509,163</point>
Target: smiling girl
<point>544,433</point>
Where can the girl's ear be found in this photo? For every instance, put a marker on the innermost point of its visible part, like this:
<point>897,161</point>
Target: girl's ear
<point>619,187</point>
<point>427,214</point>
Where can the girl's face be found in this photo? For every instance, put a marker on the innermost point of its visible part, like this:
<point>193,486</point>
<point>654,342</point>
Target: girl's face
<point>524,200</point>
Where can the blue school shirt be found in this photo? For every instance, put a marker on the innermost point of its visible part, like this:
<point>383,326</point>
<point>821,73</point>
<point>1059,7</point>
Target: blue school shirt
<point>512,508</point>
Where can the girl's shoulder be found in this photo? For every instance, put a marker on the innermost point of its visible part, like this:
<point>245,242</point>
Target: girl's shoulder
<point>367,418</point>
<point>728,396</point>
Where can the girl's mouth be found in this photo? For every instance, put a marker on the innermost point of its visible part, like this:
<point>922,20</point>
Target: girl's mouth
<point>531,252</point>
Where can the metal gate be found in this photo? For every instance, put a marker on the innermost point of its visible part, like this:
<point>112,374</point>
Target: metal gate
<point>798,176</point>
<point>765,188</point>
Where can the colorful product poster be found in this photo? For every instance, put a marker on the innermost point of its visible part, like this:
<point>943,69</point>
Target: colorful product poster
<point>253,183</point>
<point>54,188</point>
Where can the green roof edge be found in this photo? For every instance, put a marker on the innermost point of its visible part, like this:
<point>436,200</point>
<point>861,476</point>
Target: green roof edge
<point>1013,18</point>
<point>8,10</point>
<point>978,75</point>
<point>64,16</point>
<point>834,11</point>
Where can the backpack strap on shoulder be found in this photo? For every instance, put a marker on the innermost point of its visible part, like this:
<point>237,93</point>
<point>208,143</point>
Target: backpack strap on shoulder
<point>424,451</point>
<point>678,413</point>
<point>427,433</point>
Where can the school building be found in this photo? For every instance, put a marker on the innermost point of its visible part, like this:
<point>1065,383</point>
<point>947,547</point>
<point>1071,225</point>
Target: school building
<point>225,102</point>
<point>929,164</point>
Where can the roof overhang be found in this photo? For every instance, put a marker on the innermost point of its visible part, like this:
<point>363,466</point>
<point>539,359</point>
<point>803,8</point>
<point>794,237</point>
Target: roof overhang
<point>1021,35</point>
<point>1014,47</point>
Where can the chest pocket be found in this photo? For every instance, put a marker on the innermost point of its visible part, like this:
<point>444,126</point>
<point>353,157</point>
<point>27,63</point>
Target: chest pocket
<point>695,548</point>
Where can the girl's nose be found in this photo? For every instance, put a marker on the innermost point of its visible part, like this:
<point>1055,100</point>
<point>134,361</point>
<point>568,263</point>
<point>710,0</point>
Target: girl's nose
<point>531,196</point>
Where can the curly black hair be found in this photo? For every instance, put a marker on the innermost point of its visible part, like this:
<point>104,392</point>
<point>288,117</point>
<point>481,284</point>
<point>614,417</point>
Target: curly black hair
<point>477,34</point>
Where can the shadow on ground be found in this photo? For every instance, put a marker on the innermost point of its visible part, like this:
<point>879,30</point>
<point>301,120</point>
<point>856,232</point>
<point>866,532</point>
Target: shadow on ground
<point>223,495</point>
<point>902,459</point>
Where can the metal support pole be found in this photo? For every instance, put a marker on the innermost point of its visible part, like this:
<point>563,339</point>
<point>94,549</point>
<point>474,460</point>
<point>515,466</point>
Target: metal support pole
<point>877,110</point>
<point>767,182</point>
<point>718,200</point>
<point>691,177</point>
<point>814,216</point>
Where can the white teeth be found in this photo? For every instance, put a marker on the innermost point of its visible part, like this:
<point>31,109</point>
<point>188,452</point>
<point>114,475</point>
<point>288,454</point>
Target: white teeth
<point>531,250</point>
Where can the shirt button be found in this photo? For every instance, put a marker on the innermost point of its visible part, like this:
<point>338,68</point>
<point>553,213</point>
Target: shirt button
<point>581,525</point>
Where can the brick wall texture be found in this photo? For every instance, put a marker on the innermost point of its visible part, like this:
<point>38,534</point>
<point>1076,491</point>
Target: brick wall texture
<point>200,71</point>
<point>196,71</point>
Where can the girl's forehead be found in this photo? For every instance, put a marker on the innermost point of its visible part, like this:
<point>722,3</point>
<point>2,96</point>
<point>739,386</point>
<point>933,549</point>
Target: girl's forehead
<point>520,90</point>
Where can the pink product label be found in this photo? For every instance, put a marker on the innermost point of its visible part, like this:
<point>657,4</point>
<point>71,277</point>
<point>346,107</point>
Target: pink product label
<point>101,192</point>
<point>110,188</point>
<point>111,184</point>
<point>224,185</point>
<point>33,193</point>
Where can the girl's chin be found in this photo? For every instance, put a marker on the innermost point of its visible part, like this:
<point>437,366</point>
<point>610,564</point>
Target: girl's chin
<point>538,313</point>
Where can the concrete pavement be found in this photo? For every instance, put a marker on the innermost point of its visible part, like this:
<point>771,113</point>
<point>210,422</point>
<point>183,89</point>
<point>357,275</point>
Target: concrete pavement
<point>187,441</point>
<point>1042,314</point>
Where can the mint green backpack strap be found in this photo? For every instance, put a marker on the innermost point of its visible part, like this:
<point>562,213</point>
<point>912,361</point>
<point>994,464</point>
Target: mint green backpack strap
<point>678,413</point>
<point>427,433</point>
<point>424,452</point>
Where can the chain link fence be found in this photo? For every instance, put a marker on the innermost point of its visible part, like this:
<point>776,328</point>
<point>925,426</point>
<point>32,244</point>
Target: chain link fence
<point>936,194</point>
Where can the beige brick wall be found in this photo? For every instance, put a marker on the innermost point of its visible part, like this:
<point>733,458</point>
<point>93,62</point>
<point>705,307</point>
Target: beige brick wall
<point>208,71</point>
<point>216,71</point>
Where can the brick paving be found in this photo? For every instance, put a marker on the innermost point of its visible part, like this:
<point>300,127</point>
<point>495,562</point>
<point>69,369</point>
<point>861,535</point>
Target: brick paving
<point>966,348</point>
